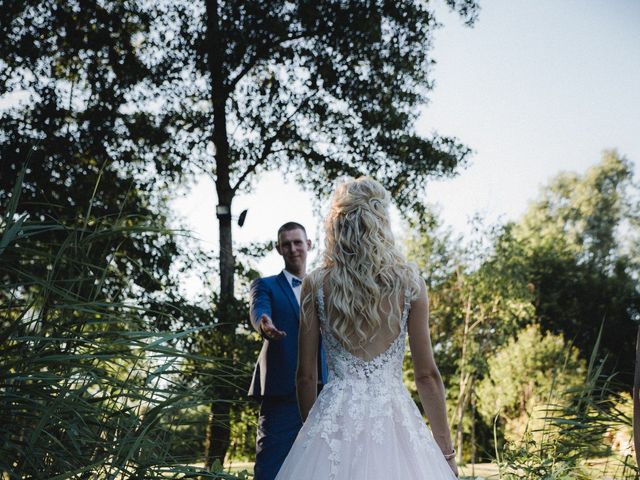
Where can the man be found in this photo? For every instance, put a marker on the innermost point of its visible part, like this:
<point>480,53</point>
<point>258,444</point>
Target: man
<point>275,314</point>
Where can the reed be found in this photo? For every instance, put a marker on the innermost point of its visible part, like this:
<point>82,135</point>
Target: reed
<point>90,387</point>
<point>572,442</point>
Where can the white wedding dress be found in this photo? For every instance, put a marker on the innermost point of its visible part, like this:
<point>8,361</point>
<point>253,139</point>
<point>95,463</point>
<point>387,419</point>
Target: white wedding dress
<point>364,424</point>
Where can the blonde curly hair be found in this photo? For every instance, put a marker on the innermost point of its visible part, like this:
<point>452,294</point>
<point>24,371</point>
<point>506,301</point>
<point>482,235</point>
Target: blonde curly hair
<point>362,264</point>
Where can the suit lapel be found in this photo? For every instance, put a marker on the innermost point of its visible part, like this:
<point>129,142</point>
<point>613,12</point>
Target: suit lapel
<point>288,292</point>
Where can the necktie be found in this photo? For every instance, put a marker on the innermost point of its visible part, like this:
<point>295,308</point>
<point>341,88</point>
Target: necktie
<point>295,282</point>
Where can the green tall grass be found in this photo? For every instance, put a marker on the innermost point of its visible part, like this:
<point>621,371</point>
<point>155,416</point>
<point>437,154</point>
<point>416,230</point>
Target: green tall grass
<point>90,388</point>
<point>572,443</point>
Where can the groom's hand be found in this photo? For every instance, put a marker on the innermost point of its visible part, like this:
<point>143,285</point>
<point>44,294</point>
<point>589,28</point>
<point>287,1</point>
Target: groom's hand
<point>269,330</point>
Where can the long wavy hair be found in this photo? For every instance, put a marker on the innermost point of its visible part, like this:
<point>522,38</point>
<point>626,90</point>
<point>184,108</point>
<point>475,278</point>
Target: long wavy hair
<point>362,264</point>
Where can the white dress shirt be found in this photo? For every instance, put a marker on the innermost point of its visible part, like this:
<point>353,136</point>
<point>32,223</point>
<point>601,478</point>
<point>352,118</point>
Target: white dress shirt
<point>296,290</point>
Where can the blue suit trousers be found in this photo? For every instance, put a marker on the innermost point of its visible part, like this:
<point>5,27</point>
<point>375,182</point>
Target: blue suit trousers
<point>278,426</point>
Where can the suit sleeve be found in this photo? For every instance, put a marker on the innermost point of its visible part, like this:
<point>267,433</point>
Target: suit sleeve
<point>260,303</point>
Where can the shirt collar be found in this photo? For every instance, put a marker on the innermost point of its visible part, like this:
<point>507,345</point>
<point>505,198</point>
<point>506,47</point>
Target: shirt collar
<point>290,276</point>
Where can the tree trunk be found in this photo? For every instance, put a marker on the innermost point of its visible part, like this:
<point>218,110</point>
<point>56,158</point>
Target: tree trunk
<point>473,436</point>
<point>636,401</point>
<point>465,386</point>
<point>466,390</point>
<point>218,433</point>
<point>218,429</point>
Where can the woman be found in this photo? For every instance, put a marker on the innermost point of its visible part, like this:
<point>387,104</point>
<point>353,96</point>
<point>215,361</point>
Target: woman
<point>364,300</point>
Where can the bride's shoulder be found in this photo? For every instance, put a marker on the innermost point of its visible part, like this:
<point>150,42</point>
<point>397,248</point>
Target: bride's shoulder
<point>413,281</point>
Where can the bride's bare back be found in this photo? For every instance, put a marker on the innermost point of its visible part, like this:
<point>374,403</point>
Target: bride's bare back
<point>383,336</point>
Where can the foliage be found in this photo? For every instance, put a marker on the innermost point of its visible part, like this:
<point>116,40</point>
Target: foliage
<point>319,89</point>
<point>576,243</point>
<point>238,345</point>
<point>89,386</point>
<point>584,212</point>
<point>82,78</point>
<point>305,87</point>
<point>479,298</point>
<point>574,431</point>
<point>566,265</point>
<point>244,426</point>
<point>471,282</point>
<point>522,373</point>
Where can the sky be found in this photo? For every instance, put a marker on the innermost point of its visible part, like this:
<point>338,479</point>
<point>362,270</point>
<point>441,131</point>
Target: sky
<point>534,88</point>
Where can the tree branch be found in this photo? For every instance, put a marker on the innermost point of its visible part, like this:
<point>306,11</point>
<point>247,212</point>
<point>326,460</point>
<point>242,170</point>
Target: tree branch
<point>261,54</point>
<point>268,143</point>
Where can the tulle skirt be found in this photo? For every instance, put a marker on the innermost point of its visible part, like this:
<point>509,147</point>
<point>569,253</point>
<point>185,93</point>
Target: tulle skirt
<point>355,433</point>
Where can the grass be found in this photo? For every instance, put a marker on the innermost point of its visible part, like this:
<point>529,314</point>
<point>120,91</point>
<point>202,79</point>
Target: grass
<point>90,385</point>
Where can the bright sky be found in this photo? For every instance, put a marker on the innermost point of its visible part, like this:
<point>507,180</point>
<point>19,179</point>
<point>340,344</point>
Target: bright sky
<point>534,88</point>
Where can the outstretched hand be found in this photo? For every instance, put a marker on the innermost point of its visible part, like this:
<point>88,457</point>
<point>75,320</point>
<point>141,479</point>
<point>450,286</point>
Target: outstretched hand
<point>269,330</point>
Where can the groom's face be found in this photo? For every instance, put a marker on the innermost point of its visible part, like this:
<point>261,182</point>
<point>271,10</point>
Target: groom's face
<point>293,245</point>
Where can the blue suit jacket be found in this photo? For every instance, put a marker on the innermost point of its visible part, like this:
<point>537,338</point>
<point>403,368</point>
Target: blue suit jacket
<point>275,370</point>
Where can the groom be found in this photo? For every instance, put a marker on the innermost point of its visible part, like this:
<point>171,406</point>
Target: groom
<point>275,314</point>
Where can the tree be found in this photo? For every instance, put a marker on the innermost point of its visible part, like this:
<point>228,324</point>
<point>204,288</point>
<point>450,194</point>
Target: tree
<point>322,89</point>
<point>577,424</point>
<point>576,238</point>
<point>523,376</point>
<point>479,298</point>
<point>567,265</point>
<point>77,68</point>
<point>232,89</point>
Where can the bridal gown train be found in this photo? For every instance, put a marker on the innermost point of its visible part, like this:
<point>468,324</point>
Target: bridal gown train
<point>364,424</point>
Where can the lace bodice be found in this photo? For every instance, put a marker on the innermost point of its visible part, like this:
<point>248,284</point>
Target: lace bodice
<point>345,366</point>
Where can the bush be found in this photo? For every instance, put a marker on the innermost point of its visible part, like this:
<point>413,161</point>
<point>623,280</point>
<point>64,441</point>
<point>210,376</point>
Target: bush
<point>521,376</point>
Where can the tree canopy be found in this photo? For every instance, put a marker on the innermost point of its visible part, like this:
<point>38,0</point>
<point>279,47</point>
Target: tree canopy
<point>146,93</point>
<point>568,267</point>
<point>577,240</point>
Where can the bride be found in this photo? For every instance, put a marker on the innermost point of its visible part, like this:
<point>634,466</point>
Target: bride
<point>364,300</point>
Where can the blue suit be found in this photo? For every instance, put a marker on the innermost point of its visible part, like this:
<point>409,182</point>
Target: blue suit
<point>274,377</point>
